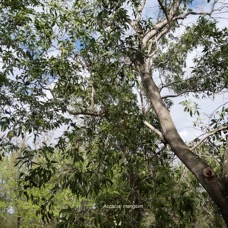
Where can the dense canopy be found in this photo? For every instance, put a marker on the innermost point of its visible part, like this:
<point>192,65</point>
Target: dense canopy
<point>86,89</point>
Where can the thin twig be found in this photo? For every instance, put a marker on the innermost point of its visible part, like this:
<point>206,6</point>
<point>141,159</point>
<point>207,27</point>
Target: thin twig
<point>208,134</point>
<point>166,30</point>
<point>179,94</point>
<point>165,12</point>
<point>173,17</point>
<point>88,113</point>
<point>155,130</point>
<point>219,107</point>
<point>159,152</point>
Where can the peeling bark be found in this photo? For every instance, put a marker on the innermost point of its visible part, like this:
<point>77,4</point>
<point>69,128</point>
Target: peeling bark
<point>203,172</point>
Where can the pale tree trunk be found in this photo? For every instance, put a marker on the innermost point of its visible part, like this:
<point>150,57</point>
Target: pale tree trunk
<point>215,187</point>
<point>225,165</point>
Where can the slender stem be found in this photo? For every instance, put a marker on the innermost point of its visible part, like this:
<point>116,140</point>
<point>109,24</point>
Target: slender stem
<point>208,134</point>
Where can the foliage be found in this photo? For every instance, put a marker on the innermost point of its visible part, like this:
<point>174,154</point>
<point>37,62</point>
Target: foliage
<point>17,210</point>
<point>74,65</point>
<point>209,74</point>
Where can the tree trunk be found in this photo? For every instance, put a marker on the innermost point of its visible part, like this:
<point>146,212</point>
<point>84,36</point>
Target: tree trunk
<point>18,221</point>
<point>203,172</point>
<point>225,164</point>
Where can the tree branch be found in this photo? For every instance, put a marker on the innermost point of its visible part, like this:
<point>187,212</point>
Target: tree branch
<point>154,31</point>
<point>172,17</point>
<point>88,113</point>
<point>139,10</point>
<point>218,108</point>
<point>179,94</point>
<point>154,130</point>
<point>164,10</point>
<point>225,163</point>
<point>159,152</point>
<point>142,102</point>
<point>161,34</point>
<point>174,7</point>
<point>92,97</point>
<point>208,134</point>
<point>174,10</point>
<point>135,23</point>
<point>204,173</point>
<point>198,13</point>
<point>135,26</point>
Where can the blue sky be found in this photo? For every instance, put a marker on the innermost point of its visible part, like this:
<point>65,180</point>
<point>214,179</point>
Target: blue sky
<point>182,120</point>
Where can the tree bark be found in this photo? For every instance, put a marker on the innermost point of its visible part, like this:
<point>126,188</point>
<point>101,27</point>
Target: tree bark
<point>18,222</point>
<point>225,164</point>
<point>203,172</point>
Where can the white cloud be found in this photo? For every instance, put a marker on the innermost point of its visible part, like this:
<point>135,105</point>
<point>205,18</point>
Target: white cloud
<point>184,122</point>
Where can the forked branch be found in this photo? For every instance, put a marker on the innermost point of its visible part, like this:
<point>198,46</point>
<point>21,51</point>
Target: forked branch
<point>171,16</point>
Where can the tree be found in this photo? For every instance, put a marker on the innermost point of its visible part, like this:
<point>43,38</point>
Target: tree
<point>16,209</point>
<point>79,64</point>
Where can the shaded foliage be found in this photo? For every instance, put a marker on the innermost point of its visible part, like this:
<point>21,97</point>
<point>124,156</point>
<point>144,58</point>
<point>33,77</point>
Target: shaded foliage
<point>72,65</point>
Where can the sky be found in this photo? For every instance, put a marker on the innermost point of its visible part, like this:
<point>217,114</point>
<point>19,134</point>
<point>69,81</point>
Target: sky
<point>183,120</point>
